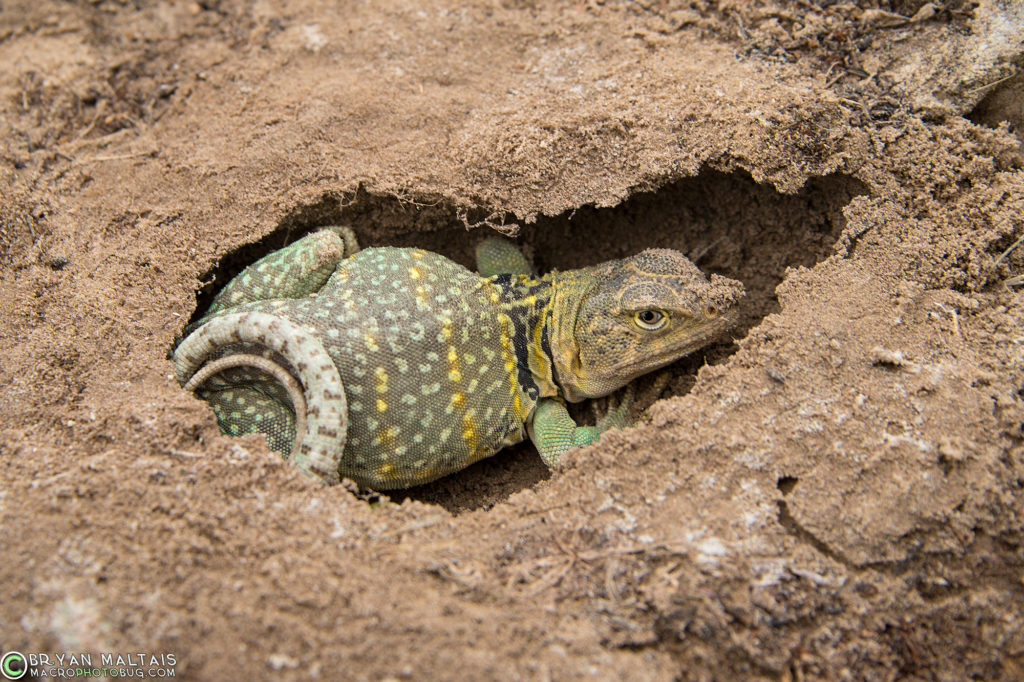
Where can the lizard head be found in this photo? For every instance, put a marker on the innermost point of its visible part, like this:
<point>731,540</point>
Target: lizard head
<point>641,314</point>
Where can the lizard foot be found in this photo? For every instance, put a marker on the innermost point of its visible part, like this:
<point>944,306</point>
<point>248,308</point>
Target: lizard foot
<point>267,366</point>
<point>617,410</point>
<point>498,256</point>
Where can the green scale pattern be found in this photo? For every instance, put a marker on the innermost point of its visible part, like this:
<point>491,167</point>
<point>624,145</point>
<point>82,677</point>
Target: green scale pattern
<point>418,347</point>
<point>411,367</point>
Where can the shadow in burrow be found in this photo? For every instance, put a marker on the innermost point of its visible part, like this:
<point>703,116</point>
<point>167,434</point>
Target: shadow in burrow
<point>725,222</point>
<point>1004,106</point>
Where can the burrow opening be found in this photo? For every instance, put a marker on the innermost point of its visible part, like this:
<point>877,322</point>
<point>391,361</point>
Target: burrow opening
<point>1004,104</point>
<point>725,222</point>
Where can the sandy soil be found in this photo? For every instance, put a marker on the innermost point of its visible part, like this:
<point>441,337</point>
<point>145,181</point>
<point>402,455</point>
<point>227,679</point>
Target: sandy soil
<point>836,493</point>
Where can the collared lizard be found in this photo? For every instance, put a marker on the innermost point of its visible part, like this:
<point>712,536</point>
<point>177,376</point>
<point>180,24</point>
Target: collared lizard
<point>396,366</point>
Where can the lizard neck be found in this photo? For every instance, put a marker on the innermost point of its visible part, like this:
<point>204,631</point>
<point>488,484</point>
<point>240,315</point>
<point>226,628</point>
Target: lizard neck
<point>569,289</point>
<point>528,303</point>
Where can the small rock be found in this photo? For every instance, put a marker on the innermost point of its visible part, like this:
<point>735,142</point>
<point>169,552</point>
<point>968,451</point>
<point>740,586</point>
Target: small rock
<point>282,661</point>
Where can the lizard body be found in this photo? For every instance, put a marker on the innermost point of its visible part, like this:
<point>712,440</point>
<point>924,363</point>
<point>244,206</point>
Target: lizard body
<point>406,366</point>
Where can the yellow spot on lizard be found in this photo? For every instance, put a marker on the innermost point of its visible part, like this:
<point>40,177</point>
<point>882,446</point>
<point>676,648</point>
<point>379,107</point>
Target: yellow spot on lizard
<point>469,433</point>
<point>454,373</point>
<point>386,439</point>
<point>510,364</point>
<point>492,292</point>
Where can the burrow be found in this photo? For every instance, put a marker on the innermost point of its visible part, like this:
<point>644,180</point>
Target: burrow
<point>1004,105</point>
<point>725,222</point>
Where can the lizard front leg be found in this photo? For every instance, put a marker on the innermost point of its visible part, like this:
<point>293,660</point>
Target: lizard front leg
<point>554,432</point>
<point>296,271</point>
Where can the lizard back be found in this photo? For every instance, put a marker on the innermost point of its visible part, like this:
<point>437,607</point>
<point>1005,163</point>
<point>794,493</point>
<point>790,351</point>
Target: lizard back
<point>427,357</point>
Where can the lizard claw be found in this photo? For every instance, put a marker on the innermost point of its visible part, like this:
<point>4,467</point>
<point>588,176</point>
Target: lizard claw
<point>618,408</point>
<point>616,411</point>
<point>654,391</point>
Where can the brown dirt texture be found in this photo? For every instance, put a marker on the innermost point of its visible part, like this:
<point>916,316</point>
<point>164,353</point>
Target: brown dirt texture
<point>835,492</point>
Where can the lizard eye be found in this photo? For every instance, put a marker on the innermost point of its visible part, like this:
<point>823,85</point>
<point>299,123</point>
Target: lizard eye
<point>650,319</point>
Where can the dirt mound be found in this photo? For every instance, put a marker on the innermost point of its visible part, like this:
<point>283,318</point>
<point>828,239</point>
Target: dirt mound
<point>837,492</point>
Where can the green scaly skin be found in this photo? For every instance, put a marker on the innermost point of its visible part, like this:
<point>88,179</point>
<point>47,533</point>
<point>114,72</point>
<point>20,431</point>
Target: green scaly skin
<point>411,367</point>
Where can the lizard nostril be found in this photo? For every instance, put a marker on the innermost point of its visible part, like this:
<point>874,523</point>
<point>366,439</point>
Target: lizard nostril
<point>712,311</point>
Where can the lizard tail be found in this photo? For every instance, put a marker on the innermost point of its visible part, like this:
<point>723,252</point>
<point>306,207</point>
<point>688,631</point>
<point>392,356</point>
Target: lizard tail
<point>284,377</point>
<point>317,394</point>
